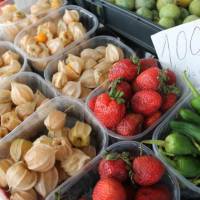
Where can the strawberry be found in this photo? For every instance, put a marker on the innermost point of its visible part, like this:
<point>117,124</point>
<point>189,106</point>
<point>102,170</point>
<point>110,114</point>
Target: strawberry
<point>125,88</point>
<point>146,102</point>
<point>135,88</point>
<point>168,101</point>
<point>107,189</point>
<point>171,77</point>
<point>4,195</point>
<point>91,103</point>
<point>153,193</point>
<point>130,125</point>
<point>147,170</point>
<point>149,79</point>
<point>123,69</point>
<point>130,192</point>
<point>108,110</point>
<point>146,63</point>
<point>113,167</point>
<point>149,121</point>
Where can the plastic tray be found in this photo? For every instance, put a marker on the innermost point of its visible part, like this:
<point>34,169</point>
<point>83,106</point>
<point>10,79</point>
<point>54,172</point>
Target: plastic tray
<point>146,133</point>
<point>4,46</point>
<point>189,190</point>
<point>35,82</point>
<point>137,28</point>
<point>34,126</point>
<point>91,43</point>
<point>80,186</point>
<point>88,19</point>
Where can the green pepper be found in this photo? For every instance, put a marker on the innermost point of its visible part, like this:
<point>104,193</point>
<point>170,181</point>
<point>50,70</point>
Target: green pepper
<point>195,102</point>
<point>175,144</point>
<point>126,4</point>
<point>189,116</point>
<point>187,166</point>
<point>190,130</point>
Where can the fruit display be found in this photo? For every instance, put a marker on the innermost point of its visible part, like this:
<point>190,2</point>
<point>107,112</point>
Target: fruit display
<point>166,13</point>
<point>12,20</point>
<point>36,167</point>
<point>138,94</point>
<point>77,76</point>
<point>123,175</point>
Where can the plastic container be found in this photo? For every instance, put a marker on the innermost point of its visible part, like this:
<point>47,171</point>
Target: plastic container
<point>80,186</point>
<point>5,46</point>
<point>89,21</point>
<point>188,189</point>
<point>52,67</point>
<point>146,133</point>
<point>34,127</point>
<point>35,82</point>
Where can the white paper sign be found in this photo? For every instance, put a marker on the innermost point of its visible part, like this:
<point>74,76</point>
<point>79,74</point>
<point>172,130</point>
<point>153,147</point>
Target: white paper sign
<point>179,47</point>
<point>24,4</point>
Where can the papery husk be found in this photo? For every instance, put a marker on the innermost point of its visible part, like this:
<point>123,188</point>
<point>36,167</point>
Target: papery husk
<point>113,53</point>
<point>40,158</point>
<point>1,62</point>
<point>55,45</point>
<point>71,16</point>
<point>4,166</point>
<point>75,162</point>
<point>62,175</point>
<point>77,29</point>
<point>89,63</point>
<point>18,148</point>
<point>90,151</point>
<point>85,92</point>
<point>38,98</point>
<point>72,89</point>
<point>91,53</point>
<point>76,63</point>
<point>5,107</point>
<point>101,50</point>
<point>5,96</point>
<point>24,195</point>
<point>19,178</point>
<point>43,140</point>
<point>87,79</point>
<point>59,80</point>
<point>71,74</point>
<point>8,56</point>
<point>9,70</point>
<point>21,93</point>
<point>3,131</point>
<point>47,182</point>
<point>62,148</point>
<point>10,120</point>
<point>55,120</point>
<point>79,135</point>
<point>58,133</point>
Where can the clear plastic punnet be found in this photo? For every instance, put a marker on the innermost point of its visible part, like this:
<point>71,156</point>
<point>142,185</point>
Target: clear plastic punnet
<point>83,184</point>
<point>35,82</point>
<point>188,189</point>
<point>147,132</point>
<point>5,46</point>
<point>94,42</point>
<point>88,20</point>
<point>34,127</point>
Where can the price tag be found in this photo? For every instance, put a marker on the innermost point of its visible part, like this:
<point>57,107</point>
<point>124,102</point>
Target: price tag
<point>24,4</point>
<point>179,48</point>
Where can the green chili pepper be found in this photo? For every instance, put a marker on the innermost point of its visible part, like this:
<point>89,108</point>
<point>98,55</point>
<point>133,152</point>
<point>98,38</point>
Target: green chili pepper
<point>189,116</point>
<point>175,144</point>
<point>190,130</point>
<point>195,102</point>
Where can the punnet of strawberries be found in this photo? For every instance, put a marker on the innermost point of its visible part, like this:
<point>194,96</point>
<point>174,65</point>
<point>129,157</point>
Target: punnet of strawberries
<point>123,177</point>
<point>139,93</point>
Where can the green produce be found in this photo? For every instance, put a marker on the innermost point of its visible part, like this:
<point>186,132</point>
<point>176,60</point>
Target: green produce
<point>161,3</point>
<point>187,166</point>
<point>184,13</point>
<point>145,12</point>
<point>111,1</point>
<point>126,4</point>
<point>171,11</point>
<point>194,7</point>
<point>175,144</point>
<point>166,22</point>
<point>150,4</point>
<point>187,129</point>
<point>183,3</point>
<point>189,116</point>
<point>195,102</point>
<point>190,18</point>
<point>155,16</point>
<point>178,21</point>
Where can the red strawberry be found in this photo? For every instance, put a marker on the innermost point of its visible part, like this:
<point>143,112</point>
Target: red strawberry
<point>149,79</point>
<point>130,192</point>
<point>91,103</point>
<point>4,195</point>
<point>168,101</point>
<point>108,110</point>
<point>152,119</point>
<point>130,125</point>
<point>125,88</point>
<point>113,169</point>
<point>146,63</point>
<point>146,102</point>
<point>147,170</point>
<point>153,193</point>
<point>134,86</point>
<point>123,69</point>
<point>108,189</point>
<point>171,76</point>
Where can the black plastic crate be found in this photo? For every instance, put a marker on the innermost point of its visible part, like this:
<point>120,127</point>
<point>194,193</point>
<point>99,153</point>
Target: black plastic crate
<point>127,23</point>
